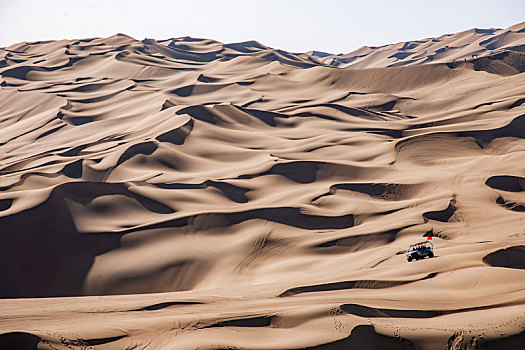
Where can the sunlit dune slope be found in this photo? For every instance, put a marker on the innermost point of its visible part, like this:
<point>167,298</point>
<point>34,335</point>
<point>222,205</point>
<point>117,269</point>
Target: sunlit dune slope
<point>201,194</point>
<point>472,43</point>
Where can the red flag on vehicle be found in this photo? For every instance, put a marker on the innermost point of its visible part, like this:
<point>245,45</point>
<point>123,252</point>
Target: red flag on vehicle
<point>429,238</point>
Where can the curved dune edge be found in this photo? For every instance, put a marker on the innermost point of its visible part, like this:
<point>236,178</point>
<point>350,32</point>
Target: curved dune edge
<point>361,337</point>
<point>186,193</point>
<point>512,257</point>
<point>474,44</point>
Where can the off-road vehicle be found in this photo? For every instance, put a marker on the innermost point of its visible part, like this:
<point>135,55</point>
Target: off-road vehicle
<point>420,251</point>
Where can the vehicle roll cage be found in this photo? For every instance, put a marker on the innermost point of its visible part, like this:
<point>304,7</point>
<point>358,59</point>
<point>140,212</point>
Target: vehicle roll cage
<point>420,244</point>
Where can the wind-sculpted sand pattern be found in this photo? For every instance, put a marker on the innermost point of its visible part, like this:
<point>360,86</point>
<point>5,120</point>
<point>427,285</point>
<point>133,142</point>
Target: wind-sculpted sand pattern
<point>185,194</point>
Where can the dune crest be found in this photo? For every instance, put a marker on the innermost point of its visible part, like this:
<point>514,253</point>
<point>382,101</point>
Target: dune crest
<point>185,193</point>
<point>472,43</point>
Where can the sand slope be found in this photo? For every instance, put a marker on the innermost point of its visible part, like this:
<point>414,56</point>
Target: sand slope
<point>185,193</point>
<point>468,44</point>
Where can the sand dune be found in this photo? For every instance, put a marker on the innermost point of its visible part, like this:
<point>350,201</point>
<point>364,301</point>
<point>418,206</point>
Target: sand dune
<point>185,193</point>
<point>472,43</point>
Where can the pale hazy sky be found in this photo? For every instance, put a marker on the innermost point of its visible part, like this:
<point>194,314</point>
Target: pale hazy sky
<point>294,25</point>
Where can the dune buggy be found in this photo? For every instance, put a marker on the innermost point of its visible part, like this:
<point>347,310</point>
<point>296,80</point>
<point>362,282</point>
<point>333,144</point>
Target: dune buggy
<point>420,251</point>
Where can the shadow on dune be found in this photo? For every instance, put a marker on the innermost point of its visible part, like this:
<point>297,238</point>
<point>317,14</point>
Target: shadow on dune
<point>365,311</point>
<point>308,171</point>
<point>372,312</point>
<point>513,342</point>
<point>180,51</point>
<point>509,184</point>
<point>510,205</point>
<point>512,257</point>
<point>165,305</point>
<point>184,91</point>
<point>516,128</point>
<point>41,251</point>
<point>283,215</point>
<point>76,121</point>
<point>145,148</point>
<point>441,215</point>
<point>460,340</point>
<point>235,193</point>
<point>359,284</point>
<point>301,171</point>
<point>199,112</point>
<point>506,183</point>
<point>364,337</point>
<point>360,242</point>
<point>85,192</point>
<point>19,341</point>
<point>73,170</point>
<point>178,135</point>
<point>50,132</point>
<point>5,204</point>
<point>43,255</point>
<point>178,275</point>
<point>212,114</point>
<point>411,147</point>
<point>97,341</point>
<point>22,72</point>
<point>385,191</point>
<point>74,151</point>
<point>207,79</point>
<point>262,321</point>
<point>503,63</point>
<point>267,117</point>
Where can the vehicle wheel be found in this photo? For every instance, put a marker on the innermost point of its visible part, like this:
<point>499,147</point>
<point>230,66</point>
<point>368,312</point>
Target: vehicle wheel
<point>409,259</point>
<point>431,255</point>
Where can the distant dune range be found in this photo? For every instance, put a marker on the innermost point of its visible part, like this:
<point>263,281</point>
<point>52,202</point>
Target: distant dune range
<point>185,193</point>
<point>446,48</point>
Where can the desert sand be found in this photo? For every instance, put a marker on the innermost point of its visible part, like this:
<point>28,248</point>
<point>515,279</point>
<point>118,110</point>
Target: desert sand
<point>190,194</point>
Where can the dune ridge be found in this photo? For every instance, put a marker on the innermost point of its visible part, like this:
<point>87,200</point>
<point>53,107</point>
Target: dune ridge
<point>468,44</point>
<point>185,193</point>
